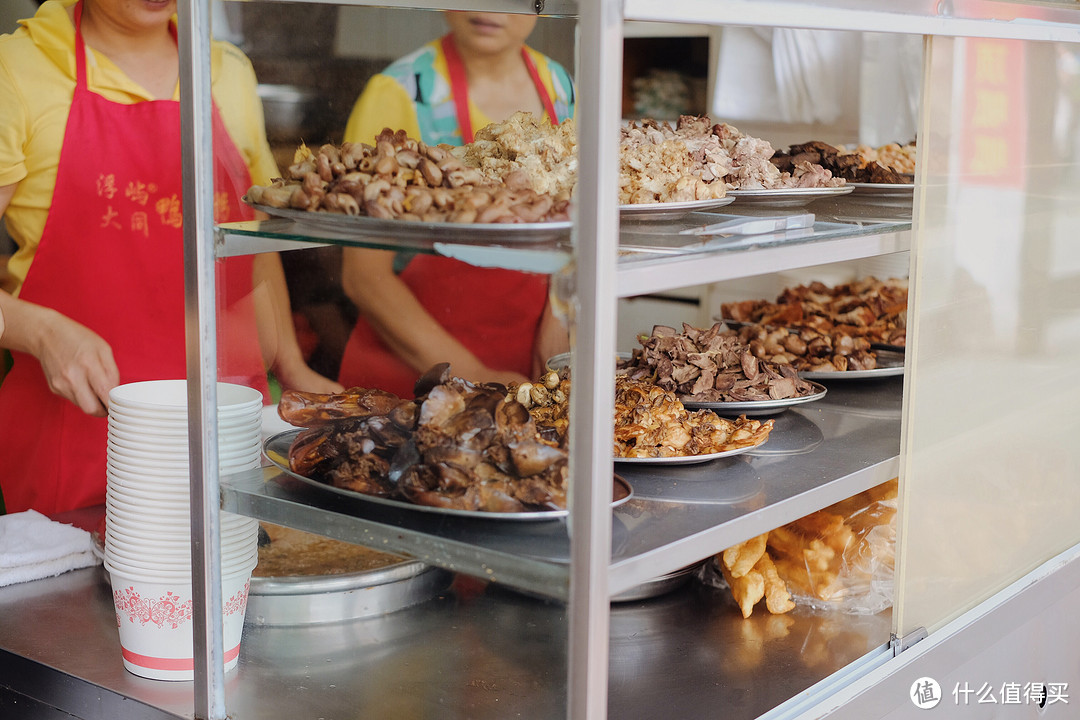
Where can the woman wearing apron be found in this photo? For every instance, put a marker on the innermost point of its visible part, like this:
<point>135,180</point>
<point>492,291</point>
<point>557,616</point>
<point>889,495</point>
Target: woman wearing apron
<point>102,301</point>
<point>490,324</point>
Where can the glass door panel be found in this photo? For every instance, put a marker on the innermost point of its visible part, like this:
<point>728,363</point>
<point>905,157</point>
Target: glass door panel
<point>990,461</point>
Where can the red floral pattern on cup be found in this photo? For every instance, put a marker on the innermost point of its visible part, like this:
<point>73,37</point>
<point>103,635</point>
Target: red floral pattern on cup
<point>169,610</point>
<point>166,611</point>
<point>237,603</point>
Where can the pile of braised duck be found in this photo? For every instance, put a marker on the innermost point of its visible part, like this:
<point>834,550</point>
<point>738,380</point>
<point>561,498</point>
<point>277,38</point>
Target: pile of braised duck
<point>458,445</point>
<point>711,365</point>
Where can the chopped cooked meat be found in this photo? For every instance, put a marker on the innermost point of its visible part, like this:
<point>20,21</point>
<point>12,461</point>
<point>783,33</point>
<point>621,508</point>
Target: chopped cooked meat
<point>681,363</point>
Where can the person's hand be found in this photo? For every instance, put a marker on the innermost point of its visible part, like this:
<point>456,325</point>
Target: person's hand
<point>78,363</point>
<point>490,375</point>
<point>298,376</point>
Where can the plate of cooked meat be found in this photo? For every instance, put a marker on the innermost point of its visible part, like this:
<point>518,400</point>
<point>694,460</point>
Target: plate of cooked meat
<point>276,449</point>
<point>458,448</point>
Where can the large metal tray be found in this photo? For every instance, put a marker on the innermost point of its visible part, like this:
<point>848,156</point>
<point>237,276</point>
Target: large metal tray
<point>276,449</point>
<point>307,600</point>
<point>463,233</point>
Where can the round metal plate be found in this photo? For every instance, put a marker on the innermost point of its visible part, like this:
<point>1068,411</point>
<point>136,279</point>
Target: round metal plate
<point>787,197</point>
<point>463,233</point>
<point>688,459</point>
<point>890,364</point>
<point>670,210</point>
<point>276,449</point>
<point>756,408</point>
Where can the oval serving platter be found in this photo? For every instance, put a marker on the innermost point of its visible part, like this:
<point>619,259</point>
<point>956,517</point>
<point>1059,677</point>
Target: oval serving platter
<point>756,408</point>
<point>462,233</point>
<point>787,197</point>
<point>276,449</point>
<point>890,364</point>
<point>688,459</point>
<point>670,210</point>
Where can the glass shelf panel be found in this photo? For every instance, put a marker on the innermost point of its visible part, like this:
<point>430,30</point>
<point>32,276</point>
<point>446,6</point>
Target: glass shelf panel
<point>832,449</point>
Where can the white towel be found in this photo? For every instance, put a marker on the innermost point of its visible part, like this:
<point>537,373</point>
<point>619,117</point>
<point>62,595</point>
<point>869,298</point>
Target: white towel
<point>33,547</point>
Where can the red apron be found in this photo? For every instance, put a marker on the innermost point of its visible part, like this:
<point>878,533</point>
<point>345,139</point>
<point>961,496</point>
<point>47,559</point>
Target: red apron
<point>111,258</point>
<point>492,312</point>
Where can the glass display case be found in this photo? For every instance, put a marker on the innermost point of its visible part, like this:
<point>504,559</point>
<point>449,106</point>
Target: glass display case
<point>978,429</point>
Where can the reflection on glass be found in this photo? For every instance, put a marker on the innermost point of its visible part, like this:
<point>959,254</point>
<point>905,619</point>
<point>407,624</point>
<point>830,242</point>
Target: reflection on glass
<point>990,482</point>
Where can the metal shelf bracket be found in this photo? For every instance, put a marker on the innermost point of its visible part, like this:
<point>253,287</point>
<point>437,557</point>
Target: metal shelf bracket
<point>899,644</point>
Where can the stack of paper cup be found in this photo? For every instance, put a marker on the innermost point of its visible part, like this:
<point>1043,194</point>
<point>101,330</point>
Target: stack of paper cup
<point>148,522</point>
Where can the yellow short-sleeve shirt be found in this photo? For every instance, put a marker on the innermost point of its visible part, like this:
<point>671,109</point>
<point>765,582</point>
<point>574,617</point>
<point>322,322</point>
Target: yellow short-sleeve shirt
<point>37,82</point>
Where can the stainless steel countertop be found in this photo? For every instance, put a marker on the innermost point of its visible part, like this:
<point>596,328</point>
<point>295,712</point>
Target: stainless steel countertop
<point>480,652</point>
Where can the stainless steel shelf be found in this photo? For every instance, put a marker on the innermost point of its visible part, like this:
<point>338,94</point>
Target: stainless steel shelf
<point>653,256</point>
<point>833,448</point>
<point>1050,21</point>
<point>487,656</point>
<point>525,7</point>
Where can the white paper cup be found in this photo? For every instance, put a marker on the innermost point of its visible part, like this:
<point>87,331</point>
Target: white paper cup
<point>230,522</point>
<point>127,500</point>
<point>137,452</point>
<point>149,491</point>
<point>153,394</point>
<point>240,417</point>
<point>176,557</point>
<point>119,511</point>
<point>233,554</point>
<point>155,621</point>
<point>176,534</point>
<point>162,571</point>
<point>171,575</point>
<point>174,426</point>
<point>231,462</point>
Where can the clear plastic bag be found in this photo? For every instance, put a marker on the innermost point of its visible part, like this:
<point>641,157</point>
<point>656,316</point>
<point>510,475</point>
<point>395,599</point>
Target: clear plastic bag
<point>841,558</point>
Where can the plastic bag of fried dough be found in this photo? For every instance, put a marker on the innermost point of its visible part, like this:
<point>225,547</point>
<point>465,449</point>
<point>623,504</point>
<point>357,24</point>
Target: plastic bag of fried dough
<point>840,558</point>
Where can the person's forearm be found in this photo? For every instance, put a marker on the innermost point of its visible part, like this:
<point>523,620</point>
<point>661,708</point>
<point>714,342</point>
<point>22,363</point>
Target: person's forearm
<point>22,324</point>
<point>273,312</point>
<point>400,320</point>
<point>277,334</point>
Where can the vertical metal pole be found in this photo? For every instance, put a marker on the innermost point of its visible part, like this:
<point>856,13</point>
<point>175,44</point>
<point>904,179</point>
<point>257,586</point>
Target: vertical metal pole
<point>201,327</point>
<point>592,402</point>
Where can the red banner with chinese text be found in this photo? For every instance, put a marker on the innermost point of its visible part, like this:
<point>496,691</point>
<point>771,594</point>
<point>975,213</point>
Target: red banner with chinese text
<point>994,122</point>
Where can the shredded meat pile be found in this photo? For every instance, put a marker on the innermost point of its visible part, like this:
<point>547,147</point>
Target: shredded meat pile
<point>658,163</point>
<point>711,366</point>
<point>529,144</point>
